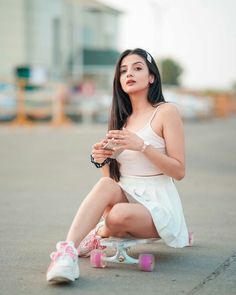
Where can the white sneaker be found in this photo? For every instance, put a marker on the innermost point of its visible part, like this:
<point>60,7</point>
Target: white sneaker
<point>64,266</point>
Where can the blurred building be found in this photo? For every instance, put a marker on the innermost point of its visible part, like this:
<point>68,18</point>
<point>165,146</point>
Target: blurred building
<point>69,39</point>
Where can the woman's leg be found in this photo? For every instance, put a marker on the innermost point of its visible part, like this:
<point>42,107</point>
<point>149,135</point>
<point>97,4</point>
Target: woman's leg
<point>106,193</point>
<point>131,219</point>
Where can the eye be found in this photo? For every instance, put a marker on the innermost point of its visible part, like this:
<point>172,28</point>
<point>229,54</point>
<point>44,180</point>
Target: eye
<point>122,71</point>
<point>138,68</point>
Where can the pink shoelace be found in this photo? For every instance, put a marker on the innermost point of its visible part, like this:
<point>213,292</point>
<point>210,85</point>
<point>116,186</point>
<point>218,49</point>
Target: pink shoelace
<point>90,243</point>
<point>62,249</point>
<point>93,242</point>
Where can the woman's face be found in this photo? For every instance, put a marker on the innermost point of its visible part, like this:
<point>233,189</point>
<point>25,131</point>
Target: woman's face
<point>134,74</point>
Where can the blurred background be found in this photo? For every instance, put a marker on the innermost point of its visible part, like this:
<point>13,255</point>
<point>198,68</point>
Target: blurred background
<point>57,56</point>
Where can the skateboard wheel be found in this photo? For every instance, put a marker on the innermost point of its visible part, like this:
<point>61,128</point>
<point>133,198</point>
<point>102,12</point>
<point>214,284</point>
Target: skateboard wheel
<point>146,262</point>
<point>96,259</point>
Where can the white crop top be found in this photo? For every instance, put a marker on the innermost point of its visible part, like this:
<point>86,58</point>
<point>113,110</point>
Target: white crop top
<point>136,163</point>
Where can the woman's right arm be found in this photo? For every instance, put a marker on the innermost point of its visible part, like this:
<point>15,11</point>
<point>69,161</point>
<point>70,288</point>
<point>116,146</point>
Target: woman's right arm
<point>100,155</point>
<point>106,171</point>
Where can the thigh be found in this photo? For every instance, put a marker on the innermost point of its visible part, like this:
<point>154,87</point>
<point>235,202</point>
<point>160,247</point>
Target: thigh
<point>137,220</point>
<point>141,225</point>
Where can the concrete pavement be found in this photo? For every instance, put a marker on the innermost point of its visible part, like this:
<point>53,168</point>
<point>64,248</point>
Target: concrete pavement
<point>44,175</point>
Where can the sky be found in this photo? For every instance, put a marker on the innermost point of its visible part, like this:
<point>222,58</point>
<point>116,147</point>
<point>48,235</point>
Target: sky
<point>199,34</point>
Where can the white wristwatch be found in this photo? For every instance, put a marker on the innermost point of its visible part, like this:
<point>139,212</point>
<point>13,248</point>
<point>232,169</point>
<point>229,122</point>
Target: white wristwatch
<point>145,145</point>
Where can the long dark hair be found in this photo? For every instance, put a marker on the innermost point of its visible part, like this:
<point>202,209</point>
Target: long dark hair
<point>121,107</point>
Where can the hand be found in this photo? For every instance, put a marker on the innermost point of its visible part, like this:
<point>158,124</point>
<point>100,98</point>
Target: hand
<point>126,139</point>
<point>98,152</point>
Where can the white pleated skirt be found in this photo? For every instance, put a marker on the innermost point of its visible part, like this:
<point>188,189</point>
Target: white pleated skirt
<point>160,196</point>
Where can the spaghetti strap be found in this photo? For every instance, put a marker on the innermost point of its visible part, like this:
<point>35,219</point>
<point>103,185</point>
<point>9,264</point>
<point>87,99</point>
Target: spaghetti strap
<point>154,113</point>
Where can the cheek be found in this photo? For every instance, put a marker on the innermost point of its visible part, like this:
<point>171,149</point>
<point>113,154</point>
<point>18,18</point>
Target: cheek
<point>144,81</point>
<point>122,81</point>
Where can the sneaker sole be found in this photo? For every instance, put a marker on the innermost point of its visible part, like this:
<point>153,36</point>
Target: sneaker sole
<point>60,278</point>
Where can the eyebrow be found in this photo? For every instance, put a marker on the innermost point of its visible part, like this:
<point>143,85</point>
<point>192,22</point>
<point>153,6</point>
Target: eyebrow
<point>137,62</point>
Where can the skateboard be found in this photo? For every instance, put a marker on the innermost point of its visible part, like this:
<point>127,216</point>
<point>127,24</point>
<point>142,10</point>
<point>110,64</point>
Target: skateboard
<point>99,258</point>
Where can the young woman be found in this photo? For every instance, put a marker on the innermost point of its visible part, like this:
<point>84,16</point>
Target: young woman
<point>136,197</point>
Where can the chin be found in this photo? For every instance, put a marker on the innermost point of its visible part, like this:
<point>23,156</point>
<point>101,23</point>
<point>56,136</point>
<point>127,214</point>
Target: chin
<point>135,90</point>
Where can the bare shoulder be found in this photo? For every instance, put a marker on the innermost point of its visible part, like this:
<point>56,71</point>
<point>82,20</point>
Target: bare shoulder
<point>172,124</point>
<point>168,107</point>
<point>168,110</point>
<point>168,117</point>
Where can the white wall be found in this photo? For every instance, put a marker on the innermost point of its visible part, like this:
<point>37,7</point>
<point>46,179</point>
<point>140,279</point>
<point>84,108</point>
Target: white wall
<point>40,30</point>
<point>26,34</point>
<point>12,40</point>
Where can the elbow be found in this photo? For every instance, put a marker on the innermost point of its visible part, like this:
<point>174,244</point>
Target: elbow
<point>180,175</point>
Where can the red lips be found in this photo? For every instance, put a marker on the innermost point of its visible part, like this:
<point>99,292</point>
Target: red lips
<point>130,81</point>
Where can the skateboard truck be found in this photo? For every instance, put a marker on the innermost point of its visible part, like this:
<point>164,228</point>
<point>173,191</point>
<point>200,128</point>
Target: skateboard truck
<point>99,258</point>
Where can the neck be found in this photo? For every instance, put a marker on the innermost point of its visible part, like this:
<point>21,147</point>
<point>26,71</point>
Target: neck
<point>139,102</point>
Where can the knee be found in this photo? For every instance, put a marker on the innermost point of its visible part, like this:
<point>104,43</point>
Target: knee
<point>118,217</point>
<point>107,183</point>
<point>107,188</point>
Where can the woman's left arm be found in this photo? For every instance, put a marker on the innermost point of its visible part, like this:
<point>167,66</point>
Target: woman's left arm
<point>173,162</point>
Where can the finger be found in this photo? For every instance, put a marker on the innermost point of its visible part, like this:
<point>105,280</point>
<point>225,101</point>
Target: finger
<point>104,141</point>
<point>97,146</point>
<point>110,136</point>
<point>116,136</point>
<point>121,147</point>
<point>98,156</point>
<point>115,132</point>
<point>123,130</point>
<point>102,153</point>
<point>108,153</point>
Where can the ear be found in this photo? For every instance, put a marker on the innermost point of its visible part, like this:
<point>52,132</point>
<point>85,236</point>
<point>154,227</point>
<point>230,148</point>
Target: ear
<point>151,79</point>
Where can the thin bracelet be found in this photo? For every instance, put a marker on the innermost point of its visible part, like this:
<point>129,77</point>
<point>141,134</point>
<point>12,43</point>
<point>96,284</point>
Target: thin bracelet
<point>145,145</point>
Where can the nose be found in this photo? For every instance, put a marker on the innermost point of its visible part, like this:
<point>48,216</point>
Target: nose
<point>129,73</point>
